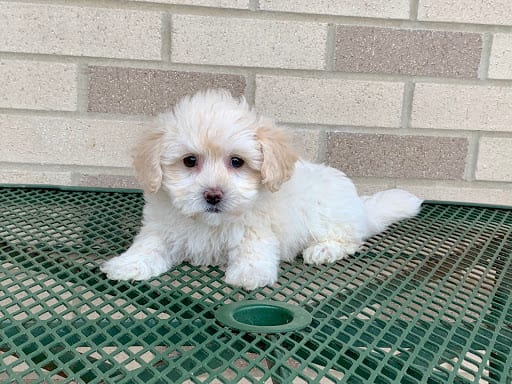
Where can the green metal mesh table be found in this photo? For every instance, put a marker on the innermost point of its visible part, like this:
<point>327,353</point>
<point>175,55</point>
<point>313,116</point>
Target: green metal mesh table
<point>428,301</point>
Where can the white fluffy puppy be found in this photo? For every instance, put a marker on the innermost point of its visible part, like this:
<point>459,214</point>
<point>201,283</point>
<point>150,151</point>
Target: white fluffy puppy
<point>223,186</point>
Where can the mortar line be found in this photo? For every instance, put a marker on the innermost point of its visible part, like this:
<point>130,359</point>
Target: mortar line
<point>330,48</point>
<point>485,58</point>
<point>430,132</point>
<point>472,157</point>
<point>322,147</point>
<point>407,100</point>
<point>250,89</point>
<point>254,5</point>
<point>82,87</point>
<point>413,10</point>
<point>165,36</point>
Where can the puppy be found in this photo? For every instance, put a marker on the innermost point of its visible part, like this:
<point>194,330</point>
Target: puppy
<point>223,186</point>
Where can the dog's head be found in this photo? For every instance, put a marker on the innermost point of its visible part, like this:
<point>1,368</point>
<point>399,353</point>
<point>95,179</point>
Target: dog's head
<point>213,155</point>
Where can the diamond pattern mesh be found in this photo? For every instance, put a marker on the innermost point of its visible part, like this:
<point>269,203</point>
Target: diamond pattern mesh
<point>428,301</point>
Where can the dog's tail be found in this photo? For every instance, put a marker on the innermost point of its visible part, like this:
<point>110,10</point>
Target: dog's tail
<point>387,207</point>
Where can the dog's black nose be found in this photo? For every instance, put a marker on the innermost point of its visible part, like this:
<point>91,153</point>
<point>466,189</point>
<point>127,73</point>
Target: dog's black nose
<point>213,196</point>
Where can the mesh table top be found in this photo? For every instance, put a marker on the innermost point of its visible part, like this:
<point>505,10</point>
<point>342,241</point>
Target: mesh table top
<point>428,301</point>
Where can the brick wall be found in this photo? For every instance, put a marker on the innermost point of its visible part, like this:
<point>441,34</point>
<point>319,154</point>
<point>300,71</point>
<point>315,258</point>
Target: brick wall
<point>408,93</point>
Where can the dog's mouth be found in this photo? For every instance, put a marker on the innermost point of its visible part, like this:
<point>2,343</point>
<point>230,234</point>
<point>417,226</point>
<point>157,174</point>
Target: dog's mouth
<point>213,209</point>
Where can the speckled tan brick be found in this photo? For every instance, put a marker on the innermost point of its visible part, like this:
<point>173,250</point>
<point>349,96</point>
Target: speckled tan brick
<point>150,91</point>
<point>396,9</point>
<point>67,141</point>
<point>378,155</point>
<point>468,11</point>
<point>500,63</point>
<point>462,107</point>
<point>80,31</point>
<point>330,101</point>
<point>407,52</point>
<point>248,42</point>
<point>494,160</point>
<point>38,85</point>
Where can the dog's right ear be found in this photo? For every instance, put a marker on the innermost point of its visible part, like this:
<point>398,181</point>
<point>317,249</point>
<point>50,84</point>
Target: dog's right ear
<point>146,161</point>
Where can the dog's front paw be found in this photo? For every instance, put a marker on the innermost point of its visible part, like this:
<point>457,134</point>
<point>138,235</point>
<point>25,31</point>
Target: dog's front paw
<point>124,268</point>
<point>250,277</point>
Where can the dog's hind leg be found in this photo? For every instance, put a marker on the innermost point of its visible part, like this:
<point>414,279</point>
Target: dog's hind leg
<point>335,244</point>
<point>329,251</point>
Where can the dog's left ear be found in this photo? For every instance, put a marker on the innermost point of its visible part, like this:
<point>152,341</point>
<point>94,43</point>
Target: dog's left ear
<point>278,156</point>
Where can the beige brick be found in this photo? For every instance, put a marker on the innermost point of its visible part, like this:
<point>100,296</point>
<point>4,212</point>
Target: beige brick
<point>248,42</point>
<point>330,101</point>
<point>26,176</point>
<point>462,107</point>
<point>466,193</point>
<point>38,85</point>
<point>238,4</point>
<point>307,143</point>
<point>500,65</point>
<point>468,11</point>
<point>52,140</point>
<point>80,31</point>
<point>398,9</point>
<point>494,160</point>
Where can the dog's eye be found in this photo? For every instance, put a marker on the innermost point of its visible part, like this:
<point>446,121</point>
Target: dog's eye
<point>236,162</point>
<point>190,161</point>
